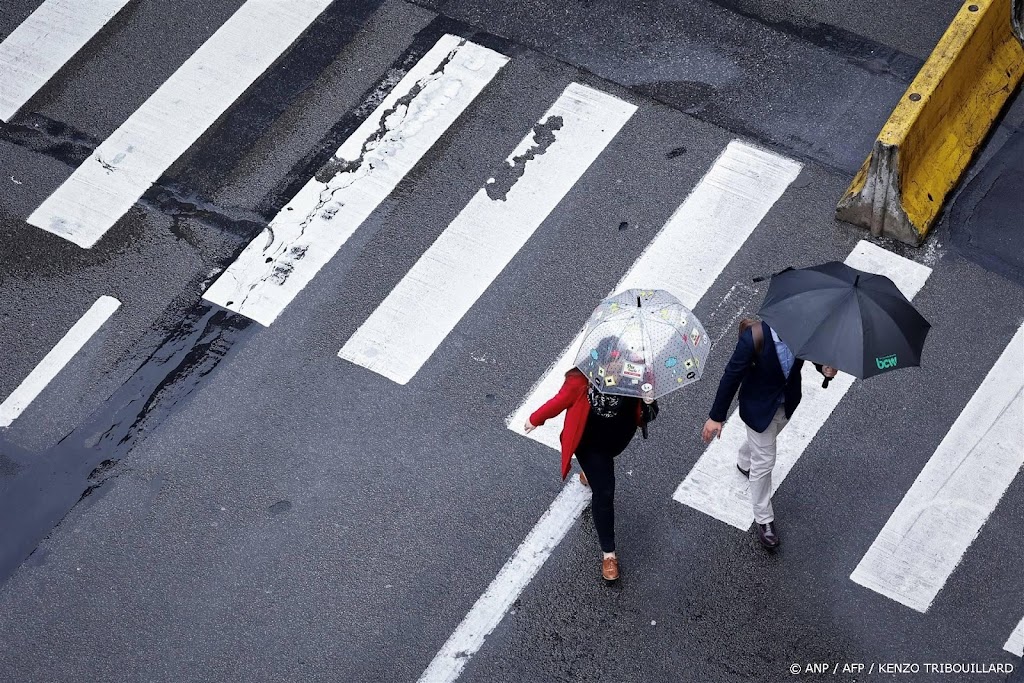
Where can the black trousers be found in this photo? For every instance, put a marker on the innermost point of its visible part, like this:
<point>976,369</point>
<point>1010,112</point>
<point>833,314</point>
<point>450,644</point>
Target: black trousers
<point>600,470</point>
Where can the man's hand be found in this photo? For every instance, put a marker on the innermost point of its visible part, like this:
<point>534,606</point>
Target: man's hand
<point>711,430</point>
<point>828,371</point>
<point>529,427</point>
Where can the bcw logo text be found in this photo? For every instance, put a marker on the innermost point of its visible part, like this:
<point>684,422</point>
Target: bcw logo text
<point>886,363</point>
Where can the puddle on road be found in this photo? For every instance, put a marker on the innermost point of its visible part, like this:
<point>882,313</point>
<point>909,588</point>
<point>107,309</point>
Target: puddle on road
<point>78,466</point>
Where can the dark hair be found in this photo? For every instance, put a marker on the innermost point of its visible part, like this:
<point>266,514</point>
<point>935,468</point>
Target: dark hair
<point>606,345</point>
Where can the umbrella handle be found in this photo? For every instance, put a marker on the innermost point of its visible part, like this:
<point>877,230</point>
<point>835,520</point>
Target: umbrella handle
<point>824,384</point>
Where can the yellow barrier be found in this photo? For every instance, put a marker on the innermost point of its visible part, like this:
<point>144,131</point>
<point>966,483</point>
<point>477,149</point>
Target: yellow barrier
<point>940,123</point>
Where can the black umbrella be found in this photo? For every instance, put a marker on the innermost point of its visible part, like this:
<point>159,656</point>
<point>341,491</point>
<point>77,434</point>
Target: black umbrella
<point>836,315</point>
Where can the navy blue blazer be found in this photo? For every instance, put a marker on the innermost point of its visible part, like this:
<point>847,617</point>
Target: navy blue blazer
<point>760,383</point>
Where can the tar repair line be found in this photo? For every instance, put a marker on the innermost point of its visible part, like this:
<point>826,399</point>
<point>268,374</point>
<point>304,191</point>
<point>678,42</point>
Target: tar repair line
<point>43,43</point>
<point>314,225</point>
<point>124,166</point>
<point>685,258</point>
<point>714,486</point>
<point>401,334</point>
<point>1015,643</point>
<point>56,359</point>
<point>943,512</point>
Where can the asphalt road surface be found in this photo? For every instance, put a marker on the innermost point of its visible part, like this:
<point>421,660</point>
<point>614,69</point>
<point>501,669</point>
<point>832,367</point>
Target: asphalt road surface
<point>198,495</point>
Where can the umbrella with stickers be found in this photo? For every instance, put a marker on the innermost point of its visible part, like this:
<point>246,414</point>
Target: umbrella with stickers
<point>643,343</point>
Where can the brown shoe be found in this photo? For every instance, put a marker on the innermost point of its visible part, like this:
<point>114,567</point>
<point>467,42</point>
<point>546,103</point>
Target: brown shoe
<point>610,568</point>
<point>583,479</point>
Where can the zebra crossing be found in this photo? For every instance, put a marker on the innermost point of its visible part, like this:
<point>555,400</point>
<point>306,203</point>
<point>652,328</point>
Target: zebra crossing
<point>124,166</point>
<point>684,258</point>
<point>960,486</point>
<point>451,275</point>
<point>315,224</point>
<point>40,46</point>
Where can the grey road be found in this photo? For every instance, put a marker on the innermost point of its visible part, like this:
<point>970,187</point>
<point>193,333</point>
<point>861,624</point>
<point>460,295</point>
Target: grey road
<point>199,497</point>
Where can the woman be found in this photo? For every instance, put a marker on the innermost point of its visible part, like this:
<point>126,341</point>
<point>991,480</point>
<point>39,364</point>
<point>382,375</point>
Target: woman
<point>597,428</point>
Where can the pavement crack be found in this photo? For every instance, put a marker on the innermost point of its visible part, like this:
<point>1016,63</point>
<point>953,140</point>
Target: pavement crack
<point>179,204</point>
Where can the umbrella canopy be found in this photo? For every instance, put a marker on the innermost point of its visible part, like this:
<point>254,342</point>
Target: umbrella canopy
<point>836,315</point>
<point>643,343</point>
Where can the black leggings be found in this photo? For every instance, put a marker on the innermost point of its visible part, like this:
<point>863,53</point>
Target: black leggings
<point>600,470</point>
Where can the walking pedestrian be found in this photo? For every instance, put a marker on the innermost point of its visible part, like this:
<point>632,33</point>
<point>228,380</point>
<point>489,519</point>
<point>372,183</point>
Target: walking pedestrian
<point>598,427</point>
<point>767,375</point>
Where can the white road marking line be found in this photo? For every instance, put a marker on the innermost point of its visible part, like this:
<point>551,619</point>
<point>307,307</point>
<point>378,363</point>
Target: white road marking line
<point>56,359</point>
<point>123,167</point>
<point>43,43</point>
<point>368,166</point>
<point>943,512</point>
<point>685,258</point>
<point>1015,643</point>
<point>714,485</point>
<point>414,319</point>
<point>689,252</point>
<point>524,564</point>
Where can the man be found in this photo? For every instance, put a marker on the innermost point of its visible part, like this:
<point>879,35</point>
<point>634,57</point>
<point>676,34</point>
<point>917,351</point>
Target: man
<point>768,378</point>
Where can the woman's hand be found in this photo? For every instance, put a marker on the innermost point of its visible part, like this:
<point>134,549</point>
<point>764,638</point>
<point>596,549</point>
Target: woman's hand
<point>828,371</point>
<point>529,427</point>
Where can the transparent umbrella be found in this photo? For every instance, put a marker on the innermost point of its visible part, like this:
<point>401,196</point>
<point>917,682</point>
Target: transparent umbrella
<point>643,343</point>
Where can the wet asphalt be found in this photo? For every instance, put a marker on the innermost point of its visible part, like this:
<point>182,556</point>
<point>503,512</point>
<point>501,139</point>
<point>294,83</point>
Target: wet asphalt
<point>197,497</point>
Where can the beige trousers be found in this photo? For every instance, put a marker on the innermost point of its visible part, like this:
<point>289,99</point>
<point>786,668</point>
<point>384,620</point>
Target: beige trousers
<point>757,454</point>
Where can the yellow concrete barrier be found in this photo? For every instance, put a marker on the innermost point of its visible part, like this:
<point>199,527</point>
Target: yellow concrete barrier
<point>940,123</point>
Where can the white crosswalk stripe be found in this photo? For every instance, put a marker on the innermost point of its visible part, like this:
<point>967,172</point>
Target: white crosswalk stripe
<point>368,166</point>
<point>399,337</point>
<point>524,564</point>
<point>124,166</point>
<point>944,511</point>
<point>1015,643</point>
<point>54,361</point>
<point>43,43</point>
<point>714,485</point>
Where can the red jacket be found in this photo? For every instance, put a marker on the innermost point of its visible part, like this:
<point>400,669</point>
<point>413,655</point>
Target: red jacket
<point>572,397</point>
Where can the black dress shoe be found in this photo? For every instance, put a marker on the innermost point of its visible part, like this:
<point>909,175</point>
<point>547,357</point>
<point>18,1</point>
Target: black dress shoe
<point>745,473</point>
<point>768,535</point>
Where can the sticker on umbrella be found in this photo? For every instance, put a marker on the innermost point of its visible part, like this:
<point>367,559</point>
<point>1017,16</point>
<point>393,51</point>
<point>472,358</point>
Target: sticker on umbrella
<point>643,343</point>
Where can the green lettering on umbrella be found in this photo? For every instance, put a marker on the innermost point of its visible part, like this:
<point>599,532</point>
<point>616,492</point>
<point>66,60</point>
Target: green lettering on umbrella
<point>886,363</point>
